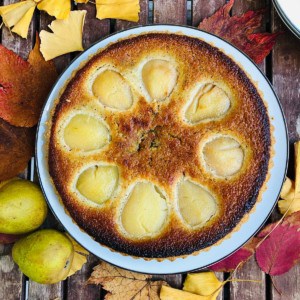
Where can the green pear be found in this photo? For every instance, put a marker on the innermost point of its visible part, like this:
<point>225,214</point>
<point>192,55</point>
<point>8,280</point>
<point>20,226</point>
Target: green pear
<point>45,256</point>
<point>22,207</point>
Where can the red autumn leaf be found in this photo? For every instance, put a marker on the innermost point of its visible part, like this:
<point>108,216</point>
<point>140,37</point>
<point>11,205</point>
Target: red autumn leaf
<point>230,263</point>
<point>240,31</point>
<point>24,86</point>
<point>16,149</point>
<point>280,251</point>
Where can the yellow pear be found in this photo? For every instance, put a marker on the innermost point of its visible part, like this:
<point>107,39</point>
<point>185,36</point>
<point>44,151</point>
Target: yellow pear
<point>22,207</point>
<point>45,256</point>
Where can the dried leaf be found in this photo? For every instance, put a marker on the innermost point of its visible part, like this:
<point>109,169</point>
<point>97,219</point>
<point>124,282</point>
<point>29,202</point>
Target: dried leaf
<point>240,31</point>
<point>58,9</point>
<point>18,16</point>
<point>204,284</point>
<point>279,252</point>
<point>118,9</point>
<point>122,284</point>
<point>230,263</point>
<point>16,149</point>
<point>66,36</point>
<point>79,258</point>
<point>24,86</point>
<point>21,28</point>
<point>168,293</point>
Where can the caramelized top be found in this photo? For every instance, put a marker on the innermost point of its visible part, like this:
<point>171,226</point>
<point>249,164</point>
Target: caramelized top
<point>181,150</point>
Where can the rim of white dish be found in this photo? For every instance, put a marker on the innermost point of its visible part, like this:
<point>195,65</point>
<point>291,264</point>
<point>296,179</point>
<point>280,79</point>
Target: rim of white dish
<point>288,10</point>
<point>228,245</point>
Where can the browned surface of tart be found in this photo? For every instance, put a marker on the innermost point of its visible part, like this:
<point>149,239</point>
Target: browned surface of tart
<point>162,134</point>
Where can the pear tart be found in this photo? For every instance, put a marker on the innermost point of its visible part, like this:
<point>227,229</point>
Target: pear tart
<point>159,145</point>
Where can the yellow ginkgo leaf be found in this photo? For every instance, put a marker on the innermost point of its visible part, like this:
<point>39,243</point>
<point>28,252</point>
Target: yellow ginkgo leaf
<point>81,1</point>
<point>285,205</point>
<point>289,200</point>
<point>58,9</point>
<point>290,192</point>
<point>168,293</point>
<point>18,16</point>
<point>78,248</point>
<point>79,258</point>
<point>118,9</point>
<point>297,169</point>
<point>66,36</point>
<point>204,284</point>
<point>21,28</point>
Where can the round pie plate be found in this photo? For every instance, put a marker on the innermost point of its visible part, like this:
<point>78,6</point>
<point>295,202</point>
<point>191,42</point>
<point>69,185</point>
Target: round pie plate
<point>289,11</point>
<point>228,245</point>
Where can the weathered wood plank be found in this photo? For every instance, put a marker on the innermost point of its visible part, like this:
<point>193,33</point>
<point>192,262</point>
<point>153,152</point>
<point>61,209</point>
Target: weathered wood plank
<point>169,11</point>
<point>93,29</point>
<point>202,9</point>
<point>10,276</point>
<point>77,288</point>
<point>249,290</point>
<point>286,81</point>
<point>41,291</point>
<point>120,24</point>
<point>286,75</point>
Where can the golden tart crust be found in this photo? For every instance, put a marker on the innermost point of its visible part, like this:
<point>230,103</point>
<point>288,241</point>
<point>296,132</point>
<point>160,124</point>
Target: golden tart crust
<point>155,141</point>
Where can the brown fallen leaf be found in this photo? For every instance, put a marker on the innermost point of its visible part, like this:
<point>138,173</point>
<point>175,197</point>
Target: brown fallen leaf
<point>123,285</point>
<point>240,31</point>
<point>24,86</point>
<point>16,149</point>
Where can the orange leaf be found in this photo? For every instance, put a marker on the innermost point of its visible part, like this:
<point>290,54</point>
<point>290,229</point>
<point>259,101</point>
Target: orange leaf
<point>240,31</point>
<point>16,148</point>
<point>24,86</point>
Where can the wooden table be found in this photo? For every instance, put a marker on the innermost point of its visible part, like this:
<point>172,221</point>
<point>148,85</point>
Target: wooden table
<point>282,68</point>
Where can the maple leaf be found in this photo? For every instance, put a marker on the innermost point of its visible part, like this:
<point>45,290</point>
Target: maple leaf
<point>24,86</point>
<point>16,149</point>
<point>230,263</point>
<point>240,31</point>
<point>122,284</point>
<point>279,252</point>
